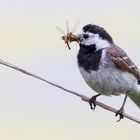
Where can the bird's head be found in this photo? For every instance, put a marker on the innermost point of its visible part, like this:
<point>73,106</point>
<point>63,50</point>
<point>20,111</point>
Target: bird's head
<point>93,35</point>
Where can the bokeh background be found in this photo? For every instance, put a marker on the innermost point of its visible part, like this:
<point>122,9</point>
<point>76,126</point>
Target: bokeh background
<point>33,110</point>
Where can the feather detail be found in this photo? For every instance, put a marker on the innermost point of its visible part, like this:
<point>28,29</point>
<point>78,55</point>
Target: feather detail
<point>122,61</point>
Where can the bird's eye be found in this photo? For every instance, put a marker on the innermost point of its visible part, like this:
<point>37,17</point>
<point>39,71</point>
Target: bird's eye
<point>86,36</point>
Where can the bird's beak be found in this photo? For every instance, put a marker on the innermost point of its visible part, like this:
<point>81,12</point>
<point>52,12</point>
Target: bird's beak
<point>79,37</point>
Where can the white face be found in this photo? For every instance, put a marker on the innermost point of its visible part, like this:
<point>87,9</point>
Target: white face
<point>88,38</point>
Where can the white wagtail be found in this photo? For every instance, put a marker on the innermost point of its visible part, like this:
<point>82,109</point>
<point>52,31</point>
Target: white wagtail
<point>105,67</point>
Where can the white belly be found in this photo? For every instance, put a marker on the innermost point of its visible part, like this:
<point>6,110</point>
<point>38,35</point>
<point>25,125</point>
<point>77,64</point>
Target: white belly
<point>110,81</point>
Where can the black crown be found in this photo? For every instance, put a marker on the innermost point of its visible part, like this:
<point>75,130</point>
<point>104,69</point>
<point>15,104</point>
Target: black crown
<point>98,30</point>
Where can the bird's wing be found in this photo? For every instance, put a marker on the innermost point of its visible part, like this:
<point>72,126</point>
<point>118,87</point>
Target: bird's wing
<point>122,61</point>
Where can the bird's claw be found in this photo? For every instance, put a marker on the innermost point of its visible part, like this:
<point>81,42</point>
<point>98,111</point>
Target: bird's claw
<point>92,102</point>
<point>120,113</point>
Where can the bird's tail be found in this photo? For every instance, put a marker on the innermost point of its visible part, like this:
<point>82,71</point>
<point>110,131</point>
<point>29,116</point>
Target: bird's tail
<point>135,97</point>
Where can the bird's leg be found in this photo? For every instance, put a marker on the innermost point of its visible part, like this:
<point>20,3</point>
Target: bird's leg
<point>92,101</point>
<point>121,110</point>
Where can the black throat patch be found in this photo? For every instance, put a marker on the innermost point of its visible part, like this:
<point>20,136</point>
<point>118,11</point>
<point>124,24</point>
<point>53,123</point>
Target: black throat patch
<point>89,58</point>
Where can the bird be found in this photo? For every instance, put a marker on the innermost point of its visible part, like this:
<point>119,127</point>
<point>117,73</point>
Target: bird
<point>105,67</point>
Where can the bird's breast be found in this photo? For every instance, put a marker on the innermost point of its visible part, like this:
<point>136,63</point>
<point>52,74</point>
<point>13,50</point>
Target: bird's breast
<point>109,81</point>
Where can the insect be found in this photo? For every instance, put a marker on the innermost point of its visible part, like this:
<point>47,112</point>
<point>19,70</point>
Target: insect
<point>69,36</point>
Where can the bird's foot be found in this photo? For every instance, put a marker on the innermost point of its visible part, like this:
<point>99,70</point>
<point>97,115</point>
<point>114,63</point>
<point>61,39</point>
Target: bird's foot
<point>120,113</point>
<point>92,101</point>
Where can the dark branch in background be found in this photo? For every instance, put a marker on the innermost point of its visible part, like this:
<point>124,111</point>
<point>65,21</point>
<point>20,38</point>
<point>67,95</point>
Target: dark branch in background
<point>83,97</point>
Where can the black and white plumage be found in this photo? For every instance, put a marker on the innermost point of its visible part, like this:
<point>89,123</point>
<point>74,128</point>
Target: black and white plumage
<point>105,67</point>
